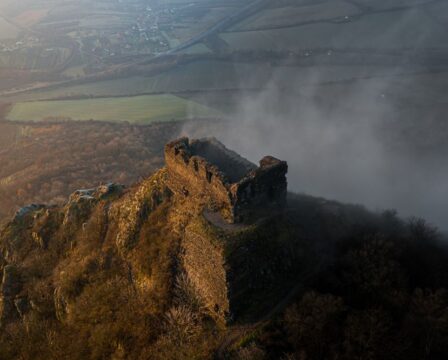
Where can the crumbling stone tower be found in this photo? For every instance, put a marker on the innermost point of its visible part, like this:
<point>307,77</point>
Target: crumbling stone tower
<point>232,185</point>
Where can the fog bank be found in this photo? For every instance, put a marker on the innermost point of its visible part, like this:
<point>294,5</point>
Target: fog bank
<point>347,142</point>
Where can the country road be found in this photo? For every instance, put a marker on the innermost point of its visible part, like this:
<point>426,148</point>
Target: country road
<point>220,26</point>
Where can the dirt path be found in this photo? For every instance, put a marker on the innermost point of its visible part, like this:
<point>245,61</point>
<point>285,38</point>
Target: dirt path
<point>216,219</point>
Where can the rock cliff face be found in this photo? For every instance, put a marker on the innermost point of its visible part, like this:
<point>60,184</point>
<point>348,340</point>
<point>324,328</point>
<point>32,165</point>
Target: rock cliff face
<point>229,183</point>
<point>45,250</point>
<point>10,287</point>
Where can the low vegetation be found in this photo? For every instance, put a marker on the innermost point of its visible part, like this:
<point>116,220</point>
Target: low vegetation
<point>44,163</point>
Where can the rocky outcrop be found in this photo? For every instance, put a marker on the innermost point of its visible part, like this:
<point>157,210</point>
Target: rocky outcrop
<point>81,202</point>
<point>10,287</point>
<point>60,304</point>
<point>27,210</point>
<point>22,305</point>
<point>133,210</point>
<point>10,281</point>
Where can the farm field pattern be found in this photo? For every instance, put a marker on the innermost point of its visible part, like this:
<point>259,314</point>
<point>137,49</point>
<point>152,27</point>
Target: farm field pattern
<point>178,47</point>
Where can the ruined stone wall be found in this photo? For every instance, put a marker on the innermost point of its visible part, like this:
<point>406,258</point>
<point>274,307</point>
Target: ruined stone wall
<point>227,161</point>
<point>204,264</point>
<point>194,177</point>
<point>205,170</point>
<point>265,187</point>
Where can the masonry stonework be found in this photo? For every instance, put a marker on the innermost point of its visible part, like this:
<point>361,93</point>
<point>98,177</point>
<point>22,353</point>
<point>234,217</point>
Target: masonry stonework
<point>230,184</point>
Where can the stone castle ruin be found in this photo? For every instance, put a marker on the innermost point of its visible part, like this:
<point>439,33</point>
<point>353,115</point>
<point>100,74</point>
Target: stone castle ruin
<point>232,185</point>
<point>201,180</point>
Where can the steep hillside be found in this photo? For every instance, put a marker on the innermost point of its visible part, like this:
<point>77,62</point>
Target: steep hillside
<point>148,273</point>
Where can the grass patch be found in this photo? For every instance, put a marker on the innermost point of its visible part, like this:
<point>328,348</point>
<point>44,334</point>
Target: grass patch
<point>278,17</point>
<point>137,109</point>
<point>248,339</point>
<point>199,48</point>
<point>197,75</point>
<point>394,30</point>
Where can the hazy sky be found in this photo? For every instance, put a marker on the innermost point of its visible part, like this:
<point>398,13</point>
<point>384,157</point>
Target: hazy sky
<point>378,142</point>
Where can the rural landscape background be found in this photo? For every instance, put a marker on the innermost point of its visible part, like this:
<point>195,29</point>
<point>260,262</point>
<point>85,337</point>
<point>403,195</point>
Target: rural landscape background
<point>113,248</point>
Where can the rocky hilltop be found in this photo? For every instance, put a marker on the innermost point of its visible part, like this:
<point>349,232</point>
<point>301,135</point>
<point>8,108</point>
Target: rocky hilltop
<point>181,268</point>
<point>111,217</point>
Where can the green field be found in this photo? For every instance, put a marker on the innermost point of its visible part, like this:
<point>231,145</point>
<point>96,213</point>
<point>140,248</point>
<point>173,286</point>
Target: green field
<point>404,30</point>
<point>391,3</point>
<point>137,109</point>
<point>38,58</point>
<point>198,75</point>
<point>198,48</point>
<point>295,14</point>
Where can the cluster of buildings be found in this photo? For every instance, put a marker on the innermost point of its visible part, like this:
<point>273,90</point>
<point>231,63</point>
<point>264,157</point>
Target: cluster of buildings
<point>23,43</point>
